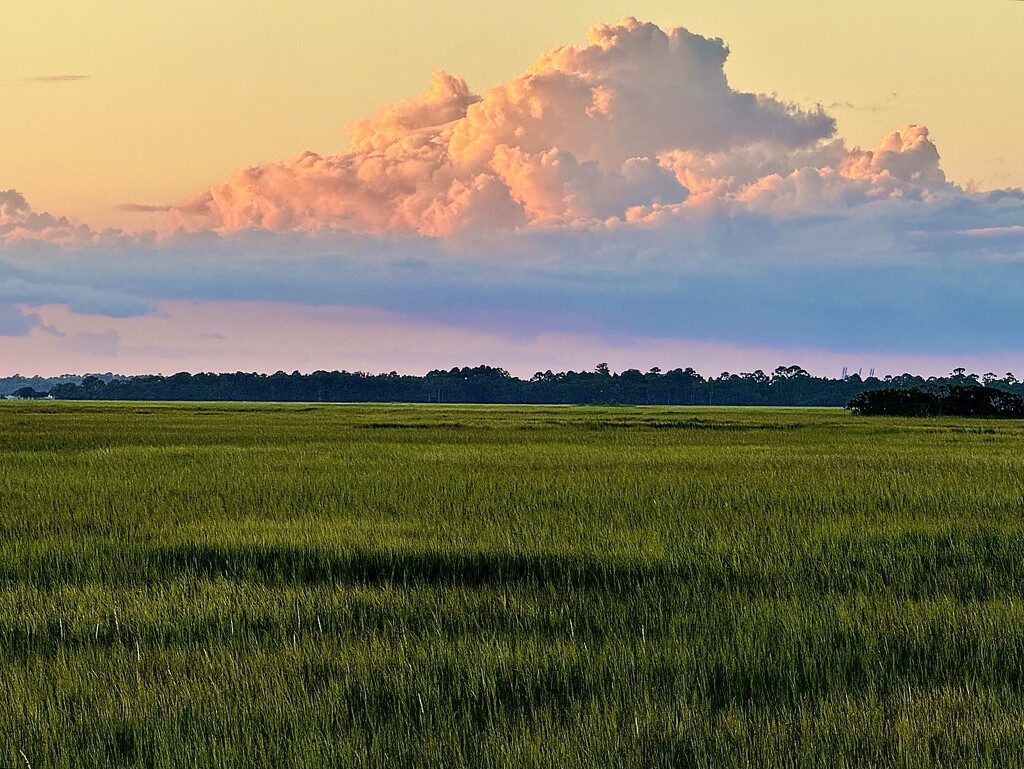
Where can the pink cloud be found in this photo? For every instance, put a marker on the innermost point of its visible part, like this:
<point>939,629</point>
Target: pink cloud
<point>636,126</point>
<point>632,126</point>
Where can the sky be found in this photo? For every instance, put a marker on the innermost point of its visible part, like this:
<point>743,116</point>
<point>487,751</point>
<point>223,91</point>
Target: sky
<point>727,185</point>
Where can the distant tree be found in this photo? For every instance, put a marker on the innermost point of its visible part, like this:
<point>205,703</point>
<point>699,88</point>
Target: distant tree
<point>28,393</point>
<point>947,399</point>
<point>912,402</point>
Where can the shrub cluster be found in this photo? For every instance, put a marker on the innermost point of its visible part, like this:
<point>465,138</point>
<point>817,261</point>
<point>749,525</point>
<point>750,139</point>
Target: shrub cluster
<point>947,400</point>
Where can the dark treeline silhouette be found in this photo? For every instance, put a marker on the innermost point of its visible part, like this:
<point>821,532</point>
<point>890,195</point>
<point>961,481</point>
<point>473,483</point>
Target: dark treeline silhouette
<point>947,400</point>
<point>785,386</point>
<point>11,384</point>
<point>27,393</point>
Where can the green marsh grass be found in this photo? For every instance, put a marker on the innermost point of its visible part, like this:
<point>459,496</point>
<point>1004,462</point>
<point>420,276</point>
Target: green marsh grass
<point>199,585</point>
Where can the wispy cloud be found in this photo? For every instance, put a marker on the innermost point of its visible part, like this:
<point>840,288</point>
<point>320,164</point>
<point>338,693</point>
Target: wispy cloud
<point>56,78</point>
<point>141,208</point>
<point>876,107</point>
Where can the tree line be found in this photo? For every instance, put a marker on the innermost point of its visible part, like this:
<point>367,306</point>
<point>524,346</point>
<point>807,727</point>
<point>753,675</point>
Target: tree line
<point>785,386</point>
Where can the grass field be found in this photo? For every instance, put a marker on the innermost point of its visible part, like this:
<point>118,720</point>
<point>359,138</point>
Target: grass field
<point>409,586</point>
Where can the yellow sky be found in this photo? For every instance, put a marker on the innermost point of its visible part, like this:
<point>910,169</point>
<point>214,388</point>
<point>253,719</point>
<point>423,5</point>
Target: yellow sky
<point>177,95</point>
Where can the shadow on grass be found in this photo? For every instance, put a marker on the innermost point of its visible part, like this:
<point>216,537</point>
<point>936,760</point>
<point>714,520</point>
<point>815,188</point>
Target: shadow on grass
<point>971,566</point>
<point>294,564</point>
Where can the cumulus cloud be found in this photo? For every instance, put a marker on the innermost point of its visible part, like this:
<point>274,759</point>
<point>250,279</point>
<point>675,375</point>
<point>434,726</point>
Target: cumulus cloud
<point>19,222</point>
<point>637,125</point>
<point>13,207</point>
